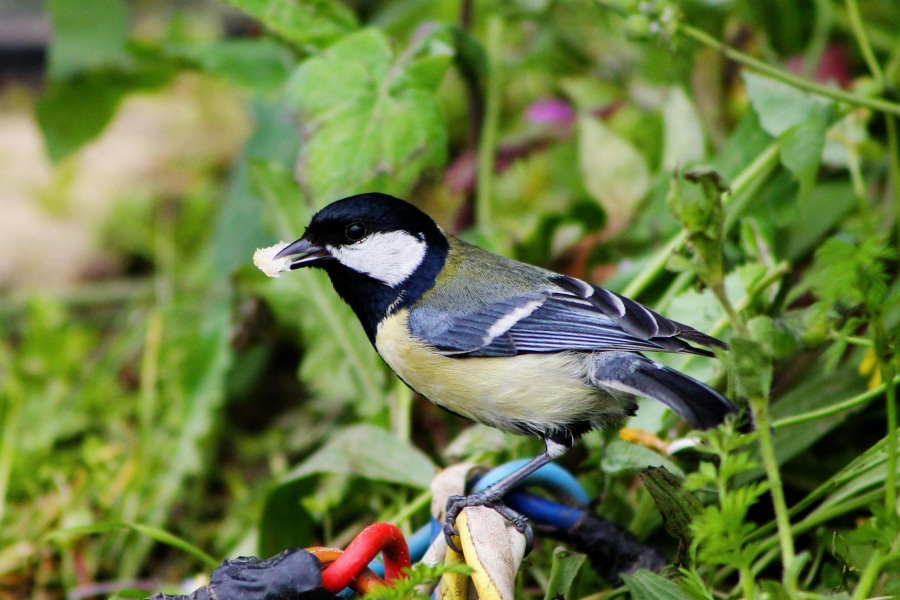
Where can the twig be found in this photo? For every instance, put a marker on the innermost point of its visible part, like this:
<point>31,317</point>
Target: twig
<point>790,79</point>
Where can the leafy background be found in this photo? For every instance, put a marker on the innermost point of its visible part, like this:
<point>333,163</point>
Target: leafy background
<point>164,405</point>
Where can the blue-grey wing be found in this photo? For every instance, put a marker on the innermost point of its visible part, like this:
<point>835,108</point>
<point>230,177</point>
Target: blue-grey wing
<point>569,315</point>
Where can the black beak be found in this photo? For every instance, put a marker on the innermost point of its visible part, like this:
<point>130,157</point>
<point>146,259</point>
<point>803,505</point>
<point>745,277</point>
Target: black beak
<point>304,254</point>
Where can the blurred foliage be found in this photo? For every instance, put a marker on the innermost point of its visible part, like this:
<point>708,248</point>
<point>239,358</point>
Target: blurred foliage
<point>186,407</point>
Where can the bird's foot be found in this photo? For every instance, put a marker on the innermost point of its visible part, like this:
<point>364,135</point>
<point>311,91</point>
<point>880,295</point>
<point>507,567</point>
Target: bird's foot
<point>455,505</point>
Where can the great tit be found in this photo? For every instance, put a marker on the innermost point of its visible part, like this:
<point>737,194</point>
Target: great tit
<point>503,343</point>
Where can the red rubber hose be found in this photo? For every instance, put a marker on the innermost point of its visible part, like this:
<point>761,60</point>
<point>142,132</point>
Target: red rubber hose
<point>378,537</point>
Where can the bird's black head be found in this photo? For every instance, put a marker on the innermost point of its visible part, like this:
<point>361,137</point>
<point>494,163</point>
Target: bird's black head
<point>380,252</point>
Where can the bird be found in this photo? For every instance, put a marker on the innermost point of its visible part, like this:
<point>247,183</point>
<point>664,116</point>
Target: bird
<point>500,342</point>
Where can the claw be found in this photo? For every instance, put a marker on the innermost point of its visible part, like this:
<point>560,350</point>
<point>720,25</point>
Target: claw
<point>529,539</point>
<point>455,504</point>
<point>449,534</point>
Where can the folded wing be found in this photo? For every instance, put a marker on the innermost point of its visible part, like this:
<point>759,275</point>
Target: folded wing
<point>569,315</point>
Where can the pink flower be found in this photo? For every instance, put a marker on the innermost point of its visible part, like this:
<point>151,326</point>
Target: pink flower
<point>550,111</point>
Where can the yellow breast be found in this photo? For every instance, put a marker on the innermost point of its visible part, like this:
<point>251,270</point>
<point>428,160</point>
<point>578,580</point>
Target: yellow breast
<point>541,390</point>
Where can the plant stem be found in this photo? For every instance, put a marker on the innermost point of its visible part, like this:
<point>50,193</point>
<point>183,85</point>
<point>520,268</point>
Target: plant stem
<point>815,519</point>
<point>760,408</point>
<point>865,48</point>
<point>893,141</point>
<point>868,577</point>
<point>785,77</point>
<point>835,408</point>
<point>410,508</point>
<point>882,342</point>
<point>747,582</point>
<point>887,373</point>
<point>752,175</point>
<point>882,39</point>
<point>487,145</point>
<point>656,265</point>
<point>818,39</point>
<point>719,290</point>
<point>860,33</point>
<point>773,275</point>
<point>401,411</point>
<point>859,187</point>
<point>747,182</point>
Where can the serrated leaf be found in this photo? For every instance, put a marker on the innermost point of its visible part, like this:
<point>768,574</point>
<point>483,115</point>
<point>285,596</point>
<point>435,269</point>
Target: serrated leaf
<point>371,119</point>
<point>677,506</point>
<point>614,172</point>
<point>370,452</point>
<point>645,585</point>
<point>87,36</point>
<point>302,22</point>
<point>779,105</point>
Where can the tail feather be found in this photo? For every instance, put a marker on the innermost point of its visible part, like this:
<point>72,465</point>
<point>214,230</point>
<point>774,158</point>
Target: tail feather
<point>697,403</point>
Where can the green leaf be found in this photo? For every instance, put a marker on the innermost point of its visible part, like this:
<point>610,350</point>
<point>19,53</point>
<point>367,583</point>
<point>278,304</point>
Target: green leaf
<point>614,172</point>
<point>301,22</point>
<point>677,506</point>
<point>74,112</point>
<point>239,226</point>
<point>370,452</point>
<point>685,143</point>
<point>285,522</point>
<point>779,105</point>
<point>827,203</point>
<point>774,590</point>
<point>372,119</point>
<point>193,362</point>
<point>160,535</point>
<point>865,472</point>
<point>801,147</point>
<point>645,585</point>
<point>847,274</point>
<point>565,567</point>
<point>261,64</point>
<point>86,36</point>
<point>622,457</point>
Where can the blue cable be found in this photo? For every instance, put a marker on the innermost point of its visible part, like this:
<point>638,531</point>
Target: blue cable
<point>551,477</point>
<point>543,511</point>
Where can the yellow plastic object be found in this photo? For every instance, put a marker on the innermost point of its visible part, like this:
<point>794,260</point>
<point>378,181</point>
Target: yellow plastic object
<point>490,545</point>
<point>643,438</point>
<point>454,586</point>
<point>494,550</point>
<point>485,586</point>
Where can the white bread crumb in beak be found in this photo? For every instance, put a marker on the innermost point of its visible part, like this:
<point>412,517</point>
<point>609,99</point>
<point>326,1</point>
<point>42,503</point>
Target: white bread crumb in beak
<point>265,261</point>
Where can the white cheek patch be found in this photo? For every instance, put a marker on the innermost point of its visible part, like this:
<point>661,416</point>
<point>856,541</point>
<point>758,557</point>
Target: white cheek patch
<point>388,257</point>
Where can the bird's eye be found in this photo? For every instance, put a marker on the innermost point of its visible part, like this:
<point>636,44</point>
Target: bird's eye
<point>355,232</point>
